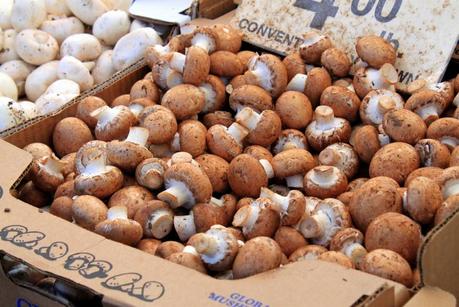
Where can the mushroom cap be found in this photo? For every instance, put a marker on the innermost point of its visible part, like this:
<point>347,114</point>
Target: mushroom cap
<point>245,56</point>
<point>375,51</point>
<point>342,156</point>
<point>114,124</point>
<point>101,184</point>
<point>148,245</point>
<point>313,46</point>
<point>184,100</point>
<point>160,122</point>
<point>88,105</point>
<point>294,109</point>
<point>62,207</point>
<point>145,88</point>
<point>421,100</point>
<point>259,152</point>
<point>395,160</point>
<point>267,129</point>
<point>344,237</point>
<point>216,168</point>
<point>453,158</point>
<point>230,39</point>
<point>429,172</point>
<point>38,150</point>
<point>30,194</point>
<point>69,135</point>
<point>433,153</point>
<point>256,256</point>
<point>250,96</point>
<point>271,68</point>
<point>336,62</point>
<point>294,65</point>
<point>197,65</point>
<point>192,137</point>
<point>292,162</point>
<point>167,248</point>
<point>210,34</point>
<point>132,197</point>
<point>290,139</point>
<point>125,231</point>
<point>149,173</point>
<point>450,205</point>
<point>289,239</point>
<point>88,211</point>
<point>375,197</point>
<point>47,173</point>
<point>246,176</point>
<point>423,198</point>
<point>367,79</point>
<point>404,126</point>
<point>147,212</point>
<point>308,252</point>
<point>206,215</point>
<point>87,153</point>
<point>366,142</point>
<point>257,219</point>
<point>126,155</point>
<point>325,181</point>
<point>193,177</point>
<point>318,80</point>
<point>446,130</point>
<point>225,64</point>
<point>122,100</point>
<point>222,144</point>
<point>188,260</point>
<point>396,232</point>
<point>449,176</point>
<point>214,92</point>
<point>344,102</point>
<point>223,118</point>
<point>36,47</point>
<point>336,257</point>
<point>376,103</point>
<point>356,184</point>
<point>389,265</point>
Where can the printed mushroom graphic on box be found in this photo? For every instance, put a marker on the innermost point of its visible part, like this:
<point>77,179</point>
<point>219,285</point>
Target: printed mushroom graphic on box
<point>54,251</point>
<point>9,232</point>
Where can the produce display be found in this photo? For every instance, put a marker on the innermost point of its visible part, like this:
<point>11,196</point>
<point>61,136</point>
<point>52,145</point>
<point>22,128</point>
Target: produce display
<point>233,163</point>
<point>52,50</point>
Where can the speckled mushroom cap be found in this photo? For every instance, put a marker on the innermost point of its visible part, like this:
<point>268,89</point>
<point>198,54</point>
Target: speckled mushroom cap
<point>214,93</point>
<point>336,61</point>
<point>155,217</point>
<point>433,153</point>
<point>375,197</point>
<point>292,162</point>
<point>256,256</point>
<point>245,56</point>
<point>367,79</point>
<point>259,152</point>
<point>69,135</point>
<point>47,173</point>
<point>128,154</point>
<point>294,65</point>
<point>454,157</point>
<point>188,260</point>
<point>38,150</point>
<point>225,64</point>
<point>338,258</point>
<point>211,39</point>
<point>122,100</point>
<point>88,211</point>
<point>220,140</point>
<point>344,237</point>
<point>396,232</point>
<point>290,139</point>
<point>404,126</point>
<point>429,172</point>
<point>88,105</point>
<point>342,156</point>
<point>230,39</point>
<point>132,197</point>
<point>206,215</point>
<point>423,198</point>
<point>113,123</point>
<point>325,181</point>
<point>197,66</point>
<point>291,207</point>
<point>366,142</point>
<point>294,109</point>
<point>318,80</point>
<point>448,181</point>
<point>148,245</point>
<point>389,265</point>
<point>145,88</point>
<point>446,130</point>
<point>268,72</point>
<point>120,228</point>
<point>149,173</point>
<point>87,153</point>
<point>289,239</point>
<point>246,176</point>
<point>167,248</point>
<point>251,96</point>
<point>376,103</point>
<point>160,122</point>
<point>450,205</point>
<point>313,46</point>
<point>344,102</point>
<point>427,104</point>
<point>164,76</point>
<point>100,182</point>
<point>257,219</point>
<point>327,129</point>
<point>395,160</point>
<point>267,128</point>
<point>62,207</point>
<point>375,51</point>
<point>223,118</point>
<point>308,252</point>
<point>216,169</point>
<point>184,100</point>
<point>192,137</point>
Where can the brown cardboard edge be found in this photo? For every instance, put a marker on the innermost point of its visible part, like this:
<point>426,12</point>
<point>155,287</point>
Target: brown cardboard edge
<point>432,296</point>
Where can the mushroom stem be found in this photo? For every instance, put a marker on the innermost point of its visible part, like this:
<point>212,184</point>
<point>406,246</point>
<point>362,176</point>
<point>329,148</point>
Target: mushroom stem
<point>428,112</point>
<point>184,226</point>
<point>117,212</point>
<point>246,216</point>
<point>217,202</point>
<point>451,187</point>
<point>384,139</point>
<point>54,166</point>
<point>190,250</point>
<point>177,194</point>
<point>210,96</point>
<point>202,41</point>
<point>449,141</point>
<point>324,117</point>
<point>282,202</point>
<point>267,167</point>
<point>261,71</point>
<point>177,61</point>
<point>206,244</point>
<point>154,172</point>
<point>136,109</point>
<point>237,132</point>
<point>175,144</point>
<point>314,226</point>
<point>170,77</point>
<point>160,223</point>
<point>295,181</point>
<point>385,104</point>
<point>355,251</point>
<point>297,83</point>
<point>138,135</point>
<point>248,118</point>
<point>96,165</point>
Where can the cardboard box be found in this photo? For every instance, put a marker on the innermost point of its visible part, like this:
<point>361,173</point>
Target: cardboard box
<point>139,279</point>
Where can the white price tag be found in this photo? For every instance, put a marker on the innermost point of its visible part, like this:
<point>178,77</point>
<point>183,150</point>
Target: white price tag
<point>425,33</point>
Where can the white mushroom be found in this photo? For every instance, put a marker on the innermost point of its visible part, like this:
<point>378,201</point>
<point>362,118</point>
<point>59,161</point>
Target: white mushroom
<point>10,113</point>
<point>29,108</point>
<point>57,7</point>
<point>104,67</point>
<point>56,96</point>
<point>8,87</point>
<point>36,47</point>
<point>8,53</point>
<point>72,69</point>
<point>28,14</point>
<point>6,6</point>
<point>121,5</point>
<point>83,46</point>
<point>88,10</point>
<point>39,80</point>
<point>138,24</point>
<point>111,26</point>
<point>62,27</point>
<point>18,71</point>
<point>131,47</point>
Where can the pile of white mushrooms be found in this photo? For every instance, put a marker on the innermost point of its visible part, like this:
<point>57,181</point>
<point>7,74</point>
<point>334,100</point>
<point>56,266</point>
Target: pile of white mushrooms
<point>234,163</point>
<point>52,50</point>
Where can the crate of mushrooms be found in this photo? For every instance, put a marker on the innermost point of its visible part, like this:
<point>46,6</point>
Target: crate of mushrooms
<point>233,163</point>
<point>53,50</point>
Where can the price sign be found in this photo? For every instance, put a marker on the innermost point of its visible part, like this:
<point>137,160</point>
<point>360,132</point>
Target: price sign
<point>423,32</point>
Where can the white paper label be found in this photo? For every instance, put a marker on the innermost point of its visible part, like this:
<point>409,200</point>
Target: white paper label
<point>424,32</point>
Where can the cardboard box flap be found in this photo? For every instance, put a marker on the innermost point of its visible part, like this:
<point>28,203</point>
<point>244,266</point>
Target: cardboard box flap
<point>431,296</point>
<point>438,256</point>
<point>11,172</point>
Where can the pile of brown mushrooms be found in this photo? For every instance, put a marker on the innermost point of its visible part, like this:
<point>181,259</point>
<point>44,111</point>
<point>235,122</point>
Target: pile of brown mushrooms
<point>234,163</point>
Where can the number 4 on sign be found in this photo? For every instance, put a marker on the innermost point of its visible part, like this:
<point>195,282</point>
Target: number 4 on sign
<point>322,9</point>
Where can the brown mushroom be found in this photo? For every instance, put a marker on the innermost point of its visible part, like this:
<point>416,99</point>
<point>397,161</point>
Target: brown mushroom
<point>160,122</point>
<point>422,199</point>
<point>427,104</point>
<point>292,165</point>
<point>290,207</point>
<point>163,75</point>
<point>367,79</point>
<point>216,169</point>
<point>290,139</point>
<point>132,197</point>
<point>223,118</point>
<point>245,56</point>
<point>214,93</point>
<point>349,242</point>
<point>38,150</point>
<point>264,128</point>
<point>289,239</point>
<point>184,100</point>
<point>317,81</point>
<point>338,258</point>
<point>246,176</point>
<point>194,65</point>
<point>88,211</point>
<point>33,195</point>
<point>69,135</point>
<point>433,153</point>
<point>230,39</point>
<point>122,100</point>
<point>86,107</point>
<point>155,217</point>
<point>294,109</point>
<point>189,258</point>
<point>336,62</point>
<point>148,245</point>
<point>375,51</point>
<point>377,103</point>
<point>313,46</point>
<point>167,248</point>
<point>294,65</point>
<point>446,209</point>
<point>367,141</point>
<point>190,137</point>
<point>47,173</point>
<point>429,172</point>
<point>145,88</point>
<point>112,123</point>
<point>225,64</point>
<point>250,96</point>
<point>404,126</point>
<point>325,181</point>
<point>342,156</point>
<point>344,102</point>
<point>62,207</point>
<point>226,142</point>
<point>149,173</point>
<point>446,130</point>
<point>118,227</point>
<point>308,252</point>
